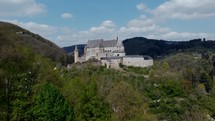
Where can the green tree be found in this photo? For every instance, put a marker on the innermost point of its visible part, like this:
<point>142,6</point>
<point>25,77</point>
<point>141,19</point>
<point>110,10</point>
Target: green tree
<point>17,78</point>
<point>166,66</point>
<point>50,105</point>
<point>128,104</point>
<point>92,107</point>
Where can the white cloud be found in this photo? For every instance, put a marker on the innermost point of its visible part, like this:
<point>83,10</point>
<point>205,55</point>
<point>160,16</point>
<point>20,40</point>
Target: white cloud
<point>141,7</point>
<point>150,26</point>
<point>171,9</point>
<point>66,15</point>
<point>185,9</point>
<point>106,26</point>
<point>20,8</point>
<point>143,25</point>
<point>106,30</point>
<point>150,29</point>
<point>42,29</point>
<point>140,22</point>
<point>135,27</point>
<point>64,36</point>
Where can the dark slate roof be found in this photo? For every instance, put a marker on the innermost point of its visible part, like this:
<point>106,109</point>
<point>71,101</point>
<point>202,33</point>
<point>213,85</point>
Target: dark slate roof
<point>94,43</point>
<point>109,43</point>
<point>101,43</point>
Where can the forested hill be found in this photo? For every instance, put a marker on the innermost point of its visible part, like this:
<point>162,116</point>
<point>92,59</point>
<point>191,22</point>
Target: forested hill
<point>29,68</point>
<point>13,36</point>
<point>155,48</point>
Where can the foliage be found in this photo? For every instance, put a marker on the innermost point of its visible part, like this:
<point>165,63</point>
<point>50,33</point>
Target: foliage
<point>127,103</point>
<point>92,106</point>
<point>21,72</point>
<point>88,105</point>
<point>50,105</point>
<point>17,81</point>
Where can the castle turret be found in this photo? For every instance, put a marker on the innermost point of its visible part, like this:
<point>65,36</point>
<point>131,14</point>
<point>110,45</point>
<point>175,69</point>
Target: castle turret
<point>76,54</point>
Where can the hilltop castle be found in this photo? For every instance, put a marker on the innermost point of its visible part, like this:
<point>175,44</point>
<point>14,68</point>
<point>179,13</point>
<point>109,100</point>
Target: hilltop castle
<point>111,53</point>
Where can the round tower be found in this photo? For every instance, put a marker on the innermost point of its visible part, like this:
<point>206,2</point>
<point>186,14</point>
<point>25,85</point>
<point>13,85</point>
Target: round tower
<point>76,54</point>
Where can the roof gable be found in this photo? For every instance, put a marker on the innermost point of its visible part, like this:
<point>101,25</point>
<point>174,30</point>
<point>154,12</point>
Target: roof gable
<point>109,43</point>
<point>101,43</point>
<point>94,43</point>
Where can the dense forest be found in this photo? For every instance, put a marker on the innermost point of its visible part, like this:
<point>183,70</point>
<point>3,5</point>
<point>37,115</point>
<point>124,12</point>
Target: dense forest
<point>37,87</point>
<point>157,48</point>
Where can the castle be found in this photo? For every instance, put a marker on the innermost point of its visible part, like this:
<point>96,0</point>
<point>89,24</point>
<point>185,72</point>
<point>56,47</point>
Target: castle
<point>111,54</point>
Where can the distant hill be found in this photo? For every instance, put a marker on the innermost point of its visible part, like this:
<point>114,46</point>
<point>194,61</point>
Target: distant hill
<point>70,49</point>
<point>13,35</point>
<point>156,48</point>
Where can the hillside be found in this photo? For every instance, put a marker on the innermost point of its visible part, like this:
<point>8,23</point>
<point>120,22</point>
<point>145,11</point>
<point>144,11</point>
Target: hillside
<point>13,35</point>
<point>156,48</point>
<point>27,62</point>
<point>70,49</point>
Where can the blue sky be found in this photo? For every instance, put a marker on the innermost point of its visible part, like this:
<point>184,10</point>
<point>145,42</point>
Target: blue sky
<point>68,22</point>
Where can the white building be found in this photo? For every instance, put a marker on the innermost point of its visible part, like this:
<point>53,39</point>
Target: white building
<point>111,53</point>
<point>137,61</point>
<point>100,48</point>
<point>111,62</point>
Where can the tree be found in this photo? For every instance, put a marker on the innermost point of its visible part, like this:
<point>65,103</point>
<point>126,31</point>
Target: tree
<point>17,77</point>
<point>127,104</point>
<point>50,105</point>
<point>166,66</point>
<point>91,106</point>
<point>213,60</point>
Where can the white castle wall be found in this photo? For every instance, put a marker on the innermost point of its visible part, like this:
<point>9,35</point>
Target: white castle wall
<point>104,52</point>
<point>120,54</point>
<point>138,61</point>
<point>112,62</point>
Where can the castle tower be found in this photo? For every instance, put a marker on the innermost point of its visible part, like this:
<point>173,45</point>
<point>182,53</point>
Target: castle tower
<point>120,46</point>
<point>76,54</point>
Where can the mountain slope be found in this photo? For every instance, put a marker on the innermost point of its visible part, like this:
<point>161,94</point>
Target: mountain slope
<point>13,35</point>
<point>155,48</point>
